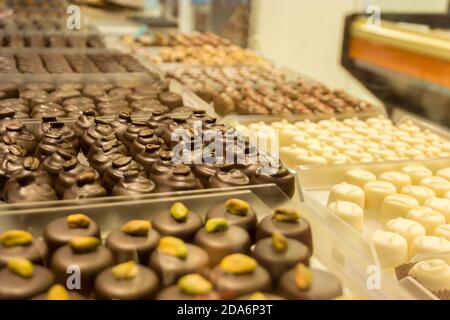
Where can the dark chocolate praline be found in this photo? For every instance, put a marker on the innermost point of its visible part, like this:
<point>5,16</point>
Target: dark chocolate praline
<point>119,166</point>
<point>28,187</point>
<point>219,240</point>
<point>284,179</point>
<point>148,157</point>
<point>237,212</point>
<point>289,223</point>
<point>59,232</point>
<point>227,176</point>
<point>181,179</point>
<point>134,241</point>
<point>21,244</point>
<point>86,186</point>
<point>67,176</point>
<point>14,286</point>
<point>134,183</point>
<point>178,222</point>
<point>141,283</point>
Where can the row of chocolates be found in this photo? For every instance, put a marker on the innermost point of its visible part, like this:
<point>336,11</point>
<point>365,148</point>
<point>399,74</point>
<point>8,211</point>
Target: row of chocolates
<point>52,41</point>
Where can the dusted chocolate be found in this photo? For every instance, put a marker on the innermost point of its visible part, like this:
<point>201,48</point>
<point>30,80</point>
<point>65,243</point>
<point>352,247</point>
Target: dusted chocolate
<point>178,222</point>
<point>59,232</point>
<point>135,241</point>
<point>289,223</point>
<point>127,281</point>
<point>21,244</point>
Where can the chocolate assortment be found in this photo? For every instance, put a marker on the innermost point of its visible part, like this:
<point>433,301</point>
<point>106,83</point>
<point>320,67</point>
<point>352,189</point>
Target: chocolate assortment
<point>34,63</point>
<point>248,90</point>
<point>18,41</point>
<point>137,262</point>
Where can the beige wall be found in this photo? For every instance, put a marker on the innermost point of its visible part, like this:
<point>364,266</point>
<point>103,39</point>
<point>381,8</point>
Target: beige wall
<point>306,35</point>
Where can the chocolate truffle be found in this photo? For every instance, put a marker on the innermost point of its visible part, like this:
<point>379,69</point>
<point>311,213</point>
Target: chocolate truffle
<point>86,186</point>
<point>148,157</point>
<point>178,222</point>
<point>284,179</point>
<point>219,240</point>
<point>21,244</point>
<point>227,176</point>
<point>87,255</point>
<point>58,292</point>
<point>279,254</point>
<point>134,241</point>
<point>237,212</point>
<point>117,171</point>
<point>181,179</point>
<point>28,188</point>
<point>190,287</point>
<point>238,274</point>
<point>60,231</point>
<point>126,281</point>
<point>134,183</point>
<point>71,169</point>
<point>174,258</point>
<point>22,280</point>
<point>302,283</point>
<point>289,223</point>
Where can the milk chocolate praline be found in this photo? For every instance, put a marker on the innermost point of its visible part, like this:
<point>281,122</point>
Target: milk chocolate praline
<point>143,285</point>
<point>293,226</point>
<point>243,216</point>
<point>60,231</point>
<point>29,247</point>
<point>17,287</point>
<point>190,287</point>
<point>28,188</point>
<point>135,241</point>
<point>88,255</point>
<point>168,223</point>
<point>60,295</point>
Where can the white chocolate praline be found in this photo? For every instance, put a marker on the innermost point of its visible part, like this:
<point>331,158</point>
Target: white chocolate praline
<point>347,192</point>
<point>319,148</point>
<point>396,205</point>
<point>441,205</point>
<point>303,142</point>
<point>376,192</point>
<point>439,185</point>
<point>287,136</point>
<point>335,158</point>
<point>422,194</point>
<point>427,217</point>
<point>283,124</point>
<point>432,274</point>
<point>357,155</point>
<point>428,245</point>
<point>398,179</point>
<point>447,195</point>
<point>310,159</point>
<point>359,177</point>
<point>391,248</point>
<point>408,229</point>
<point>349,212</point>
<point>409,126</point>
<point>288,155</point>
<point>417,172</point>
<point>442,231</point>
<point>444,173</point>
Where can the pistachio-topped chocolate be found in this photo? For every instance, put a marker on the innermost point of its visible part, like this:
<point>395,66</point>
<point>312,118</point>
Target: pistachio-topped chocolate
<point>173,246</point>
<point>279,242</point>
<point>237,207</point>
<point>216,225</point>
<point>286,215</point>
<point>194,284</point>
<point>84,244</point>
<point>21,267</point>
<point>179,211</point>
<point>125,271</point>
<point>57,292</point>
<point>238,264</point>
<point>12,238</point>
<point>139,228</point>
<point>78,220</point>
<point>303,277</point>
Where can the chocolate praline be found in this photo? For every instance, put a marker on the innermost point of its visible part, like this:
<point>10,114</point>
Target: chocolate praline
<point>181,179</point>
<point>190,287</point>
<point>28,188</point>
<point>261,296</point>
<point>67,176</point>
<point>143,286</point>
<point>68,295</point>
<point>86,186</point>
<point>246,219</point>
<point>148,157</point>
<point>133,243</point>
<point>53,164</point>
<point>34,250</point>
<point>134,183</point>
<point>284,179</point>
<point>169,224</point>
<point>278,261</point>
<point>16,287</point>
<point>119,166</point>
<point>60,231</point>
<point>296,228</point>
<point>324,286</point>
<point>221,243</point>
<point>227,176</point>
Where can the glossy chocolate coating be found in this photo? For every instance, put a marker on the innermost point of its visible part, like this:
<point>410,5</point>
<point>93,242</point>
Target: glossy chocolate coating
<point>171,268</point>
<point>53,164</point>
<point>226,177</point>
<point>278,262</point>
<point>181,179</point>
<point>36,252</point>
<point>284,179</point>
<point>231,286</point>
<point>267,297</point>
<point>175,293</point>
<point>90,265</point>
<point>28,188</point>
<point>299,230</point>
<point>85,186</point>
<point>15,287</point>
<point>100,129</point>
<point>185,230</point>
<point>84,122</point>
<point>127,247</point>
<point>148,157</point>
<point>57,233</point>
<point>143,287</point>
<point>117,171</point>
<point>67,176</point>
<point>73,296</point>
<point>324,286</point>
<point>171,99</point>
<point>223,243</point>
<point>247,222</point>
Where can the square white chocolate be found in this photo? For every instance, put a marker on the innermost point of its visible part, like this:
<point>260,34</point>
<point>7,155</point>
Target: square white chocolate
<point>391,248</point>
<point>350,213</point>
<point>396,205</point>
<point>422,194</point>
<point>398,179</point>
<point>375,192</point>
<point>417,172</point>
<point>347,192</point>
<point>439,185</point>
<point>429,245</point>
<point>408,229</point>
<point>441,205</point>
<point>359,177</point>
<point>427,217</point>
